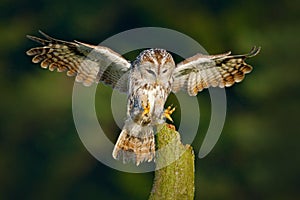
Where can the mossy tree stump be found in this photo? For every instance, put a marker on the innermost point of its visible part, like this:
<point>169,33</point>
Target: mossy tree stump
<point>174,175</point>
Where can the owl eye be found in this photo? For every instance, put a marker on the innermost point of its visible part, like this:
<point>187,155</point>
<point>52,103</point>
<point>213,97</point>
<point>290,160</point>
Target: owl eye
<point>164,71</point>
<point>151,72</point>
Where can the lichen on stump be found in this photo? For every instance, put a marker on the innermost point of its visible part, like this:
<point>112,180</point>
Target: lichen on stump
<point>174,175</point>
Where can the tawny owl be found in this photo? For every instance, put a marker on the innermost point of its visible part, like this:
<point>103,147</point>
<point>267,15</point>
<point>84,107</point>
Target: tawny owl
<point>147,81</point>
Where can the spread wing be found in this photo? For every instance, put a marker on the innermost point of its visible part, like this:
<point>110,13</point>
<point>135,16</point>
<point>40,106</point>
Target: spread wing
<point>89,63</point>
<point>203,71</point>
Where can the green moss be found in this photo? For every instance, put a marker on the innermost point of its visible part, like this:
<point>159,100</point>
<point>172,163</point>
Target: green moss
<point>174,175</point>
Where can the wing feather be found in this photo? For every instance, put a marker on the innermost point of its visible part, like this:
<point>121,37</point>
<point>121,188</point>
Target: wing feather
<point>203,71</point>
<point>89,63</point>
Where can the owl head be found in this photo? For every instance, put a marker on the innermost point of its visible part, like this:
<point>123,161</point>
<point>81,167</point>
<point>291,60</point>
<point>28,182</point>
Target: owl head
<point>155,65</point>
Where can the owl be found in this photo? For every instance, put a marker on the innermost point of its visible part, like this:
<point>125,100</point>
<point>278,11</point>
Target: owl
<point>147,81</point>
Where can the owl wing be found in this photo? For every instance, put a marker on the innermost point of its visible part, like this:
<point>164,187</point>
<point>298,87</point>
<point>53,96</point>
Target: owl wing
<point>203,71</point>
<point>89,63</point>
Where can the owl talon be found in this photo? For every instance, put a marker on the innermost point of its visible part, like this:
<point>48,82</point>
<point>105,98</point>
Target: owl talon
<point>146,109</point>
<point>168,112</point>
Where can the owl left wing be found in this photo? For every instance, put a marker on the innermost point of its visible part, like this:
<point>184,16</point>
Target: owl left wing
<point>89,63</point>
<point>204,71</point>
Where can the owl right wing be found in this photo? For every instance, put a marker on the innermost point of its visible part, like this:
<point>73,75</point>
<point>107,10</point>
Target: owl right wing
<point>89,63</point>
<point>204,71</point>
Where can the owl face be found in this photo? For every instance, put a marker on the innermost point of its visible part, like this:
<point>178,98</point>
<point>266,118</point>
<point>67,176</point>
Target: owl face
<point>155,66</point>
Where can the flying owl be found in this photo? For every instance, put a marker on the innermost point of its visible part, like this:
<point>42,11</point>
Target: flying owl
<point>147,81</point>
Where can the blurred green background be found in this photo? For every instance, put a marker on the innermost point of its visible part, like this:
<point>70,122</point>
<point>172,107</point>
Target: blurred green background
<point>257,156</point>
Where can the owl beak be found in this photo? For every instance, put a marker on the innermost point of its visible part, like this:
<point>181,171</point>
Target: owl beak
<point>157,81</point>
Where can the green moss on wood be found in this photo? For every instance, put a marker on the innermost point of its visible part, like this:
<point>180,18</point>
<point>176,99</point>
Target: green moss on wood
<point>174,175</point>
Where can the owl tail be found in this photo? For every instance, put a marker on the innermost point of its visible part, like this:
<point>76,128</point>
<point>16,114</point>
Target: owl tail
<point>135,143</point>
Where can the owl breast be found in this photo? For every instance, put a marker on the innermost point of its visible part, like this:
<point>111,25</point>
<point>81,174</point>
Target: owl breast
<point>146,104</point>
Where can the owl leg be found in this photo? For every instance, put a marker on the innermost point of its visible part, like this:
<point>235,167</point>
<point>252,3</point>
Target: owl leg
<point>168,112</point>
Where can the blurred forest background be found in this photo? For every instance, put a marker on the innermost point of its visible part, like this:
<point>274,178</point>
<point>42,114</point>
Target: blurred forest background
<point>257,156</point>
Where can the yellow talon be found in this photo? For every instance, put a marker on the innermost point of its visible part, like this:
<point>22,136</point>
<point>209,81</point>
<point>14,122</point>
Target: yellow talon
<point>146,108</point>
<point>168,113</point>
